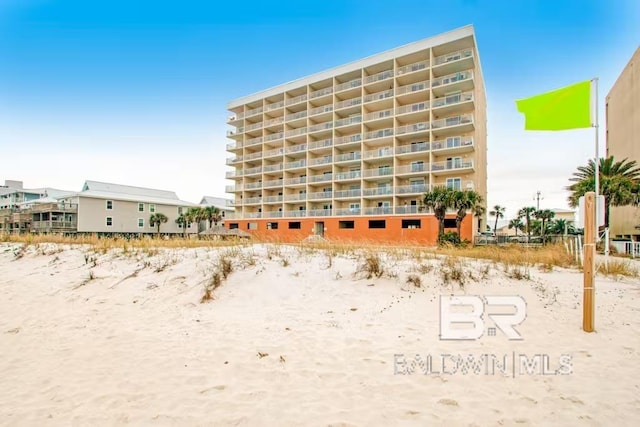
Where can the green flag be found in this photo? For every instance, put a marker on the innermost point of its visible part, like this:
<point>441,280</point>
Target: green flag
<point>561,109</point>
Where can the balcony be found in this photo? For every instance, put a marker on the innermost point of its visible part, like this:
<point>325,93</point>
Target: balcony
<point>409,209</point>
<point>252,126</point>
<point>458,124</point>
<point>252,201</point>
<point>232,188</point>
<point>274,106</point>
<point>384,171</point>
<point>321,178</point>
<point>412,88</point>
<point>254,112</point>
<point>295,148</point>
<point>379,191</point>
<point>411,68</point>
<point>295,214</point>
<point>319,212</point>
<point>252,185</point>
<point>272,153</point>
<point>347,212</point>
<point>381,133</point>
<point>320,127</point>
<point>348,194</point>
<point>295,181</point>
<point>451,103</point>
<point>413,108</point>
<point>273,199</point>
<point>296,100</point>
<point>348,157</point>
<point>53,225</point>
<point>272,214</point>
<point>295,165</point>
<point>233,174</point>
<point>418,167</point>
<point>296,116</point>
<point>412,128</point>
<point>233,146</point>
<point>451,166</point>
<point>296,132</point>
<point>253,141</point>
<point>321,92</point>
<point>377,115</point>
<point>274,136</point>
<point>231,160</point>
<point>454,145</point>
<point>383,210</point>
<point>252,171</point>
<point>272,122</point>
<point>272,183</point>
<point>347,139</point>
<point>462,80</point>
<point>320,161</point>
<point>273,168</point>
<point>384,75</point>
<point>295,197</point>
<point>412,189</point>
<point>415,147</point>
<point>54,207</point>
<point>378,96</point>
<point>346,176</point>
<point>320,144</point>
<point>348,121</point>
<point>321,110</point>
<point>321,195</point>
<point>455,61</point>
<point>349,85</point>
<point>252,215</point>
<point>348,103</point>
<point>379,153</point>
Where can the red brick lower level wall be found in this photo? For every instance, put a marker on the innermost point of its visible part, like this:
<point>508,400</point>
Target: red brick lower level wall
<point>392,233</point>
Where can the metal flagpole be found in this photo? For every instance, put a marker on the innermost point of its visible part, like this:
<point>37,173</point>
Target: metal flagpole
<point>594,88</point>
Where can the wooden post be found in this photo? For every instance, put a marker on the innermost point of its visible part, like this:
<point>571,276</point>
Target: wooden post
<point>588,309</point>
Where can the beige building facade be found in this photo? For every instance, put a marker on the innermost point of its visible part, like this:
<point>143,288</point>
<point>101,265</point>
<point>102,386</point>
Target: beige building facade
<point>364,140</point>
<point>623,139</point>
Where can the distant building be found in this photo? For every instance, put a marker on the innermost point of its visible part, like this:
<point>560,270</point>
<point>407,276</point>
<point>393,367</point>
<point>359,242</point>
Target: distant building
<point>106,208</point>
<point>225,206</point>
<point>623,140</point>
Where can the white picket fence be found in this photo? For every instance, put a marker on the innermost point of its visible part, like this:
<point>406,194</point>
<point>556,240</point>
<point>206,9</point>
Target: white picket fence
<point>631,248</point>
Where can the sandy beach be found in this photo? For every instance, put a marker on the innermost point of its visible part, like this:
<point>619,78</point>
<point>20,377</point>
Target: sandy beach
<point>299,337</point>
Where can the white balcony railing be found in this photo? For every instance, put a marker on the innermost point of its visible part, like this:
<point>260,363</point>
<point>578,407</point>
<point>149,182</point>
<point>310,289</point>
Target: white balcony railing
<point>413,87</point>
<point>321,92</point>
<point>379,171</point>
<point>320,161</point>
<point>347,211</point>
<point>454,142</point>
<point>253,126</point>
<point>356,155</point>
<point>319,212</point>
<point>416,66</point>
<point>253,171</point>
<point>272,183</point>
<point>451,165</point>
<point>381,133</point>
<point>320,144</point>
<point>252,200</point>
<point>253,112</point>
<point>412,128</point>
<point>454,56</point>
<point>296,132</point>
<point>452,78</point>
<point>272,199</point>
<point>378,153</point>
<point>253,185</point>
<point>348,121</point>
<point>347,139</point>
<point>320,178</point>
<point>411,189</point>
<point>320,127</point>
<point>296,100</point>
<point>413,108</point>
<point>272,153</point>
<point>378,95</point>
<point>295,148</point>
<point>413,168</point>
<point>295,197</point>
<point>458,98</point>
<point>376,115</point>
<point>384,210</point>
<point>272,122</point>
<point>348,103</point>
<point>295,181</point>
<point>253,141</point>
<point>348,194</point>
<point>379,191</point>
<point>320,195</point>
<point>349,85</point>
<point>274,136</point>
<point>296,116</point>
<point>296,164</point>
<point>320,110</point>
<point>274,106</point>
<point>273,168</point>
<point>416,147</point>
<point>383,75</point>
<point>341,176</point>
<point>452,121</point>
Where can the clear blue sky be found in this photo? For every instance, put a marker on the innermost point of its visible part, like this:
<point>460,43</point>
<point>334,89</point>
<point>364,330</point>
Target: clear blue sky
<point>135,91</point>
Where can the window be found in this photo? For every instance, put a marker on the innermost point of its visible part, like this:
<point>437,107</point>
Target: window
<point>109,221</point>
<point>233,226</point>
<point>450,223</point>
<point>346,224</point>
<point>410,223</point>
<point>454,183</point>
<point>377,223</point>
<point>272,226</point>
<point>179,210</point>
<point>140,207</point>
<point>152,208</point>
<point>417,166</point>
<point>140,222</point>
<point>252,226</point>
<point>109,205</point>
<point>294,225</point>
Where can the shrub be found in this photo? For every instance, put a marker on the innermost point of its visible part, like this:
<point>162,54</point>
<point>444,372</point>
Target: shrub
<point>450,238</point>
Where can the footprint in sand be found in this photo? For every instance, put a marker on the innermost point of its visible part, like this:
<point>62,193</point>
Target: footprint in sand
<point>449,402</point>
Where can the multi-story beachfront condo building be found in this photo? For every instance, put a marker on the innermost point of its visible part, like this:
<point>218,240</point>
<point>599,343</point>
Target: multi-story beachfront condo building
<point>348,153</point>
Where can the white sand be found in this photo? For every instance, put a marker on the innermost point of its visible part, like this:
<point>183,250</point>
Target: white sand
<point>145,351</point>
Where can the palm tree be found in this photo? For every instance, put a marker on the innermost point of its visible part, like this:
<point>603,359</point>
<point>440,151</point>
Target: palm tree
<point>498,212</point>
<point>213,215</point>
<point>517,224</point>
<point>439,199</point>
<point>619,183</point>
<point>561,226</point>
<point>544,215</point>
<point>157,219</point>
<point>184,222</point>
<point>463,201</point>
<point>526,214</point>
<point>195,215</point>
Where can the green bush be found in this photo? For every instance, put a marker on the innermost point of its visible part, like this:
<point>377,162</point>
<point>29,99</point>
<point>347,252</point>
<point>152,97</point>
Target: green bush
<point>449,238</point>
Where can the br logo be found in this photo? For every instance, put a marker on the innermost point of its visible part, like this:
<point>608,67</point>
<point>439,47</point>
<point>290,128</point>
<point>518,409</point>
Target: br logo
<point>461,317</point>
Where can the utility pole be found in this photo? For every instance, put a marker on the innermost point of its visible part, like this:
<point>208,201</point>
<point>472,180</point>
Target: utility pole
<point>537,198</point>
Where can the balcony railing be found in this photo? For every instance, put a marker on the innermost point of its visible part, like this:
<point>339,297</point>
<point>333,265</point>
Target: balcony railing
<point>455,56</point>
<point>274,106</point>
<point>272,199</point>
<point>348,85</point>
<point>252,200</point>
<point>384,210</point>
<point>296,164</point>
<point>320,110</point>
<point>273,168</point>
<point>274,136</point>
<point>348,103</point>
<point>414,168</point>
<point>413,148</point>
<point>452,143</point>
<point>295,181</point>
<point>275,121</point>
<point>453,99</point>
<point>252,185</point>
<point>412,189</point>
<point>347,211</point>
<point>234,145</point>
<point>451,165</point>
<point>319,212</point>
<point>378,95</point>
<point>54,207</point>
<point>53,225</point>
<point>253,214</point>
<point>296,116</point>
<point>347,139</point>
<point>452,121</point>
<point>412,128</point>
<point>252,156</point>
<point>272,183</point>
<point>272,214</point>
<point>320,161</point>
<point>348,194</point>
<point>416,66</point>
<point>356,155</point>
<point>340,176</point>
<point>253,171</point>
<point>387,74</point>
<point>413,87</point>
<point>349,121</point>
<point>295,148</point>
<point>321,195</point>
<point>380,152</point>
<point>295,197</point>
<point>272,153</point>
<point>379,171</point>
<point>412,108</point>
<point>320,127</point>
<point>320,178</point>
<point>253,112</point>
<point>321,92</point>
<point>295,132</point>
<point>378,115</point>
<point>379,191</point>
<point>452,78</point>
<point>296,100</point>
<point>409,209</point>
<point>232,188</point>
<point>381,133</point>
<point>253,141</point>
<point>253,126</point>
<point>320,144</point>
